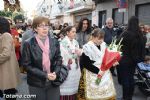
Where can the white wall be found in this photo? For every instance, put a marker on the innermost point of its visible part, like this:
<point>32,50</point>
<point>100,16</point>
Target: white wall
<point>1,5</point>
<point>68,19</point>
<point>108,6</point>
<point>95,17</point>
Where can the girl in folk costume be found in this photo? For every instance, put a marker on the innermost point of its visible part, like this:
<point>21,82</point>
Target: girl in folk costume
<point>91,60</point>
<point>70,52</point>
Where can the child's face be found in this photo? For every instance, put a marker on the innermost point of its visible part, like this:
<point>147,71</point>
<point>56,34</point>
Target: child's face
<point>147,59</point>
<point>147,62</point>
<point>99,41</point>
<point>72,34</point>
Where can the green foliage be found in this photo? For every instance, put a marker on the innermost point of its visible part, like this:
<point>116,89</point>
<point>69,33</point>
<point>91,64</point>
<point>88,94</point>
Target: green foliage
<point>18,17</point>
<point>97,81</point>
<point>114,46</point>
<point>6,14</point>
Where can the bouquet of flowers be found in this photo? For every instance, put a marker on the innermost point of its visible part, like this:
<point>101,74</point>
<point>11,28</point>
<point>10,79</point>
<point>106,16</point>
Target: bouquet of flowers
<point>111,56</point>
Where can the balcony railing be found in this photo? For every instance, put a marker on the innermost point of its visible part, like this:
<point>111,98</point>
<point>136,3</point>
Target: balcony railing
<point>78,4</point>
<point>67,7</point>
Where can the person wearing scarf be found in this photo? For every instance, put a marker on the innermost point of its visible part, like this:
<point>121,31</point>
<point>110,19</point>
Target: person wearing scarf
<point>42,60</point>
<point>70,52</point>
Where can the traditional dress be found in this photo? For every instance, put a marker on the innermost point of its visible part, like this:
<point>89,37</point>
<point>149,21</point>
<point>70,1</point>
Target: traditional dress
<point>91,61</point>
<point>69,88</point>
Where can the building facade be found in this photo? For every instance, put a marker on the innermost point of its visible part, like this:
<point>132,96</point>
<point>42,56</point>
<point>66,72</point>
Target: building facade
<point>81,9</point>
<point>44,8</point>
<point>108,8</point>
<point>141,8</point>
<point>71,11</point>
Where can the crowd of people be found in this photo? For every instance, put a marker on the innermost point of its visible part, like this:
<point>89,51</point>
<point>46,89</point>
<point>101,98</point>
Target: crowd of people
<point>62,62</point>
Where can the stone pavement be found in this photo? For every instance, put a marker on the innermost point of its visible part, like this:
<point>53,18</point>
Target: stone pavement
<point>23,89</point>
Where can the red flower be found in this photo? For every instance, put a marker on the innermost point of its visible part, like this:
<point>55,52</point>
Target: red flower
<point>98,80</point>
<point>109,59</point>
<point>99,76</point>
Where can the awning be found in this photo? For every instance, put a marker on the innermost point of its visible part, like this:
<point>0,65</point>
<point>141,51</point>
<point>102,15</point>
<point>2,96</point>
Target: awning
<point>52,17</point>
<point>80,9</point>
<point>59,15</point>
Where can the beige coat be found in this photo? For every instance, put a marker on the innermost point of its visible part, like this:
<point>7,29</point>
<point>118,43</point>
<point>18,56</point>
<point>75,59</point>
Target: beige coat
<point>9,68</point>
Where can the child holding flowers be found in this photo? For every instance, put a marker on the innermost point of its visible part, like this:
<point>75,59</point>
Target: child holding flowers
<point>91,60</point>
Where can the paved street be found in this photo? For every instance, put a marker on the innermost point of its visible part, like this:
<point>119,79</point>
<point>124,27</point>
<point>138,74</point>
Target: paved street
<point>23,89</point>
<point>137,95</point>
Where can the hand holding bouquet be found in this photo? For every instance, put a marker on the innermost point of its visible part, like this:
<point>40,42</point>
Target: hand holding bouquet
<point>111,58</point>
<point>99,76</point>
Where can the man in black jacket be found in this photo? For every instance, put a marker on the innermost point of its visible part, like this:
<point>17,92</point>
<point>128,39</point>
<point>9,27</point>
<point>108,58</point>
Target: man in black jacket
<point>109,34</point>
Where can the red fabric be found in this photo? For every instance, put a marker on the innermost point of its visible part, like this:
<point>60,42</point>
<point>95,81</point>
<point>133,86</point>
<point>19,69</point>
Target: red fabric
<point>122,3</point>
<point>68,97</point>
<point>109,59</point>
<point>117,2</point>
<point>17,47</point>
<point>14,32</point>
<point>17,44</point>
<point>17,51</point>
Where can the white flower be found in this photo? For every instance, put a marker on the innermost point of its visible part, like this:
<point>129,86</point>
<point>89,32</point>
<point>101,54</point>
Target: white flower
<point>115,47</point>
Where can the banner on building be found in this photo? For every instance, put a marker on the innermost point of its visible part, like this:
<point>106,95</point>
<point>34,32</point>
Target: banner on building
<point>71,4</point>
<point>122,5</point>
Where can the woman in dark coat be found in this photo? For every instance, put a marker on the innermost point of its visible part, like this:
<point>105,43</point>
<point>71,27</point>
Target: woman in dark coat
<point>43,62</point>
<point>133,53</point>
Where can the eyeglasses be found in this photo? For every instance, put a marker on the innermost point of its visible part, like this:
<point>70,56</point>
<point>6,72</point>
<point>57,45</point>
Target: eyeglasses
<point>43,26</point>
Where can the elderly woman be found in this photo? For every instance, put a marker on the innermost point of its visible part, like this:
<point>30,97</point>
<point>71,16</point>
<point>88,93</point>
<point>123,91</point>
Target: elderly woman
<point>43,62</point>
<point>9,68</point>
